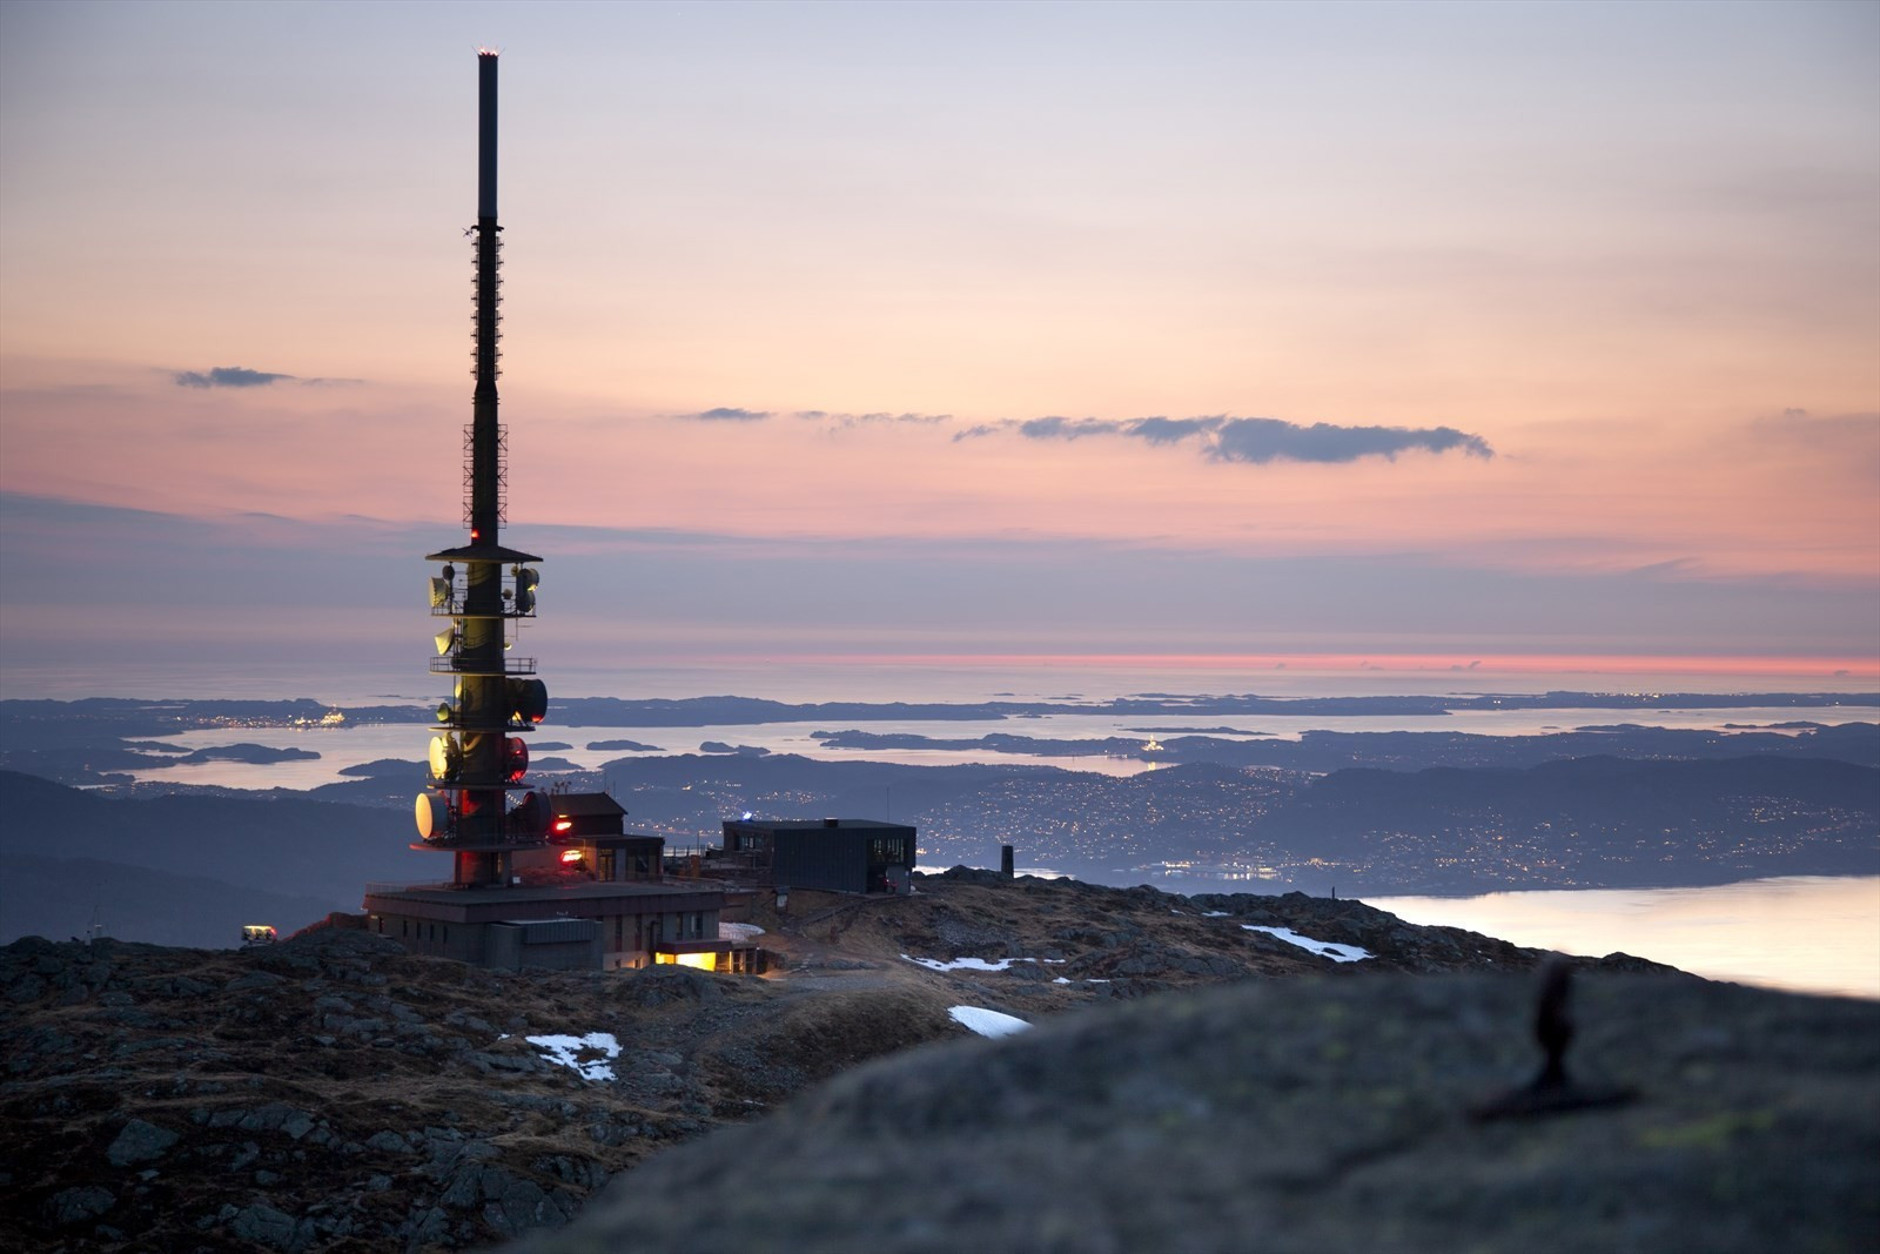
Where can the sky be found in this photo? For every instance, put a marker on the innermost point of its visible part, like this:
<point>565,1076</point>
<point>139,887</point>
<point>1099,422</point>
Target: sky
<point>1487,335</point>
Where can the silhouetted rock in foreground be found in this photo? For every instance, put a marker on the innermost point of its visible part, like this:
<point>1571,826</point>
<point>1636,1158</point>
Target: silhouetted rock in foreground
<point>1307,1116</point>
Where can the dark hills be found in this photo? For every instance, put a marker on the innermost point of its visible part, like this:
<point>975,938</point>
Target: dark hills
<point>1324,750</point>
<point>1591,822</point>
<point>1587,822</point>
<point>288,859</point>
<point>1612,805</point>
<point>62,897</point>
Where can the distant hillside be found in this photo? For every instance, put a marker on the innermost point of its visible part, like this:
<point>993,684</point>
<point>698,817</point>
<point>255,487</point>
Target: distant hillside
<point>61,897</point>
<point>1590,822</point>
<point>1328,750</point>
<point>288,845</point>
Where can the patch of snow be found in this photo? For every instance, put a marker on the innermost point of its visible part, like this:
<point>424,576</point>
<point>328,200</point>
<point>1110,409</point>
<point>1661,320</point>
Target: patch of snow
<point>739,932</point>
<point>1214,914</point>
<point>1060,980</point>
<point>1325,949</point>
<point>966,964</point>
<point>986,1022</point>
<point>566,1051</point>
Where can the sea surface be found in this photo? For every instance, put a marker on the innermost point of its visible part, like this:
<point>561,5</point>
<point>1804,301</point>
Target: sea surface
<point>340,747</point>
<point>1815,934</point>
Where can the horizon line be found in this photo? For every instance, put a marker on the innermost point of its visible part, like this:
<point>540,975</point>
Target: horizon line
<point>1352,663</point>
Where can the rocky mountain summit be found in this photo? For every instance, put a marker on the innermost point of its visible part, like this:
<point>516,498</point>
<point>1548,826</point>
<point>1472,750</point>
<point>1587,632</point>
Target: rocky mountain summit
<point>334,1093</point>
<point>1383,1112</point>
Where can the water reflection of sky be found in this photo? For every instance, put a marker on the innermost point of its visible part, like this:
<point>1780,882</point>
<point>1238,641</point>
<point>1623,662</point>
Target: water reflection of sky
<point>1807,933</point>
<point>349,746</point>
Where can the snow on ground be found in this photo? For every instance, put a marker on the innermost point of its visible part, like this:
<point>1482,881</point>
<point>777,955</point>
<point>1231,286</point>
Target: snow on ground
<point>566,1051</point>
<point>974,964</point>
<point>742,933</point>
<point>986,1022</point>
<point>964,964</point>
<point>1325,949</point>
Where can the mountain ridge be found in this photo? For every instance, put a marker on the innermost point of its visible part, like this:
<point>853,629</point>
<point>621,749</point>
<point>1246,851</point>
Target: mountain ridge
<point>333,1093</point>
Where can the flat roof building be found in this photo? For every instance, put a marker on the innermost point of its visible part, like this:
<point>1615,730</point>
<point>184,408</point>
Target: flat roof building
<point>598,924</point>
<point>839,855</point>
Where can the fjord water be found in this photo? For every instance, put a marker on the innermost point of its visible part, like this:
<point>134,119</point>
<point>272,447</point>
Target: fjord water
<point>1805,933</point>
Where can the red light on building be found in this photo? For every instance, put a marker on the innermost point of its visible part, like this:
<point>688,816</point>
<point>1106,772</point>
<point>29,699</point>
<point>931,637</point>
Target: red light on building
<point>564,825</point>
<point>572,855</point>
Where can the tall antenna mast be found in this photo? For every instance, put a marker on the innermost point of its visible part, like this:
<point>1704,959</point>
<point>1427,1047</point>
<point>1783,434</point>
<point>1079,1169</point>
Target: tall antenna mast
<point>477,762</point>
<point>484,474</point>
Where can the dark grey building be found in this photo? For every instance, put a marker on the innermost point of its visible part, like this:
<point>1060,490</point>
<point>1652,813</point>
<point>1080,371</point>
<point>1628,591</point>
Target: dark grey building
<point>841,855</point>
<point>607,924</point>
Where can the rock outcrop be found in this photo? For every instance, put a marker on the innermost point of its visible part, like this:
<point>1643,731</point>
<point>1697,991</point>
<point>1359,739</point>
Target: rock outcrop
<point>1307,1116</point>
<point>333,1092</point>
<point>336,1093</point>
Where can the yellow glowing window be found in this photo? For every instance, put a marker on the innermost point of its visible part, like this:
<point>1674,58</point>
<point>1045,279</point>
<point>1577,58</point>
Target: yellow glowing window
<point>704,962</point>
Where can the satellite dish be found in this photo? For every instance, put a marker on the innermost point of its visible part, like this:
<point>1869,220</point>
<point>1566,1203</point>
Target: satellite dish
<point>441,593</point>
<point>443,711</point>
<point>528,699</point>
<point>525,601</point>
<point>516,758</point>
<point>445,640</point>
<point>433,814</point>
<point>526,578</point>
<point>446,757</point>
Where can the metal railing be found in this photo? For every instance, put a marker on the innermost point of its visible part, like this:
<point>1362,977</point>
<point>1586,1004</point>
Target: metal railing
<point>454,608</point>
<point>457,664</point>
<point>493,724</point>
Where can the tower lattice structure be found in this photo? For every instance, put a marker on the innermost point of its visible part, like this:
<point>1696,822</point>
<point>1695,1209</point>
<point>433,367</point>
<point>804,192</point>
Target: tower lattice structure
<point>485,591</point>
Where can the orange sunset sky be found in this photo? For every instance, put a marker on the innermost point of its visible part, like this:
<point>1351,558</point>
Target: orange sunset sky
<point>1519,331</point>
